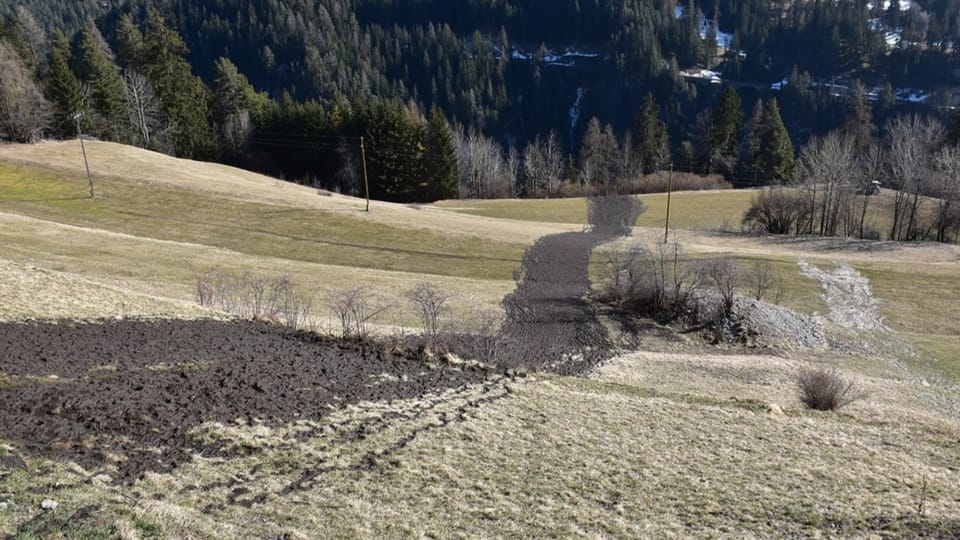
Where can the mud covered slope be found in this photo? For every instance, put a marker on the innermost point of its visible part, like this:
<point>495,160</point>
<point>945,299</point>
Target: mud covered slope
<point>135,389</point>
<point>551,325</point>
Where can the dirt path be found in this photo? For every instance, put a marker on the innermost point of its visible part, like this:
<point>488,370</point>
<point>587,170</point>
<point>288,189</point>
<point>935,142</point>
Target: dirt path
<point>848,297</point>
<point>550,323</point>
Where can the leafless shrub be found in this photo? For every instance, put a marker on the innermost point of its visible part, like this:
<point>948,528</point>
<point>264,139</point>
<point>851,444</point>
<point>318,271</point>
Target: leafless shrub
<point>253,296</point>
<point>825,389</point>
<point>570,189</point>
<point>293,310</point>
<point>724,276</point>
<point>761,279</point>
<point>203,292</point>
<point>775,211</point>
<point>658,283</point>
<point>430,304</point>
<point>660,182</point>
<point>355,308</point>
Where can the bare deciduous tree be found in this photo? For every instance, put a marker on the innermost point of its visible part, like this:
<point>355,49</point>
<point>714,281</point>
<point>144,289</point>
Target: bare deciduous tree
<point>630,165</point>
<point>145,114</point>
<point>430,304</point>
<point>829,170</point>
<point>946,189</point>
<point>24,113</point>
<point>761,278</point>
<point>512,169</point>
<point>724,276</point>
<point>543,164</point>
<point>33,34</point>
<point>349,175</point>
<point>483,172</point>
<point>874,166</point>
<point>355,308</point>
<point>911,141</point>
<point>236,129</point>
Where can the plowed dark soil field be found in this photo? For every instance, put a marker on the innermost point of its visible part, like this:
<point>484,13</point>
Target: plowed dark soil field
<point>136,388</point>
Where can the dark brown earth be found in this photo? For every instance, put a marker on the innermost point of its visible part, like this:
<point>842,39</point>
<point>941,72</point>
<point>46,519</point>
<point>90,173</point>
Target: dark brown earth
<point>551,323</point>
<point>86,391</point>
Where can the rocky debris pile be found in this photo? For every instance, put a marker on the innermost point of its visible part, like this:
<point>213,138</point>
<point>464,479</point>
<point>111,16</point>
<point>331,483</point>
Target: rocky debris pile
<point>770,325</point>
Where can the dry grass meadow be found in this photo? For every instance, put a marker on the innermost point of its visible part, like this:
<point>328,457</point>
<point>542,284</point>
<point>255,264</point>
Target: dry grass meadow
<point>677,440</point>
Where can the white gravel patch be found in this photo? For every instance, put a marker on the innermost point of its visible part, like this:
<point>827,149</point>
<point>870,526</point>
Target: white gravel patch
<point>848,297</point>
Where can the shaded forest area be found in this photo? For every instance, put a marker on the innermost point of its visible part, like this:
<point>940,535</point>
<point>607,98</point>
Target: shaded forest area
<point>478,98</point>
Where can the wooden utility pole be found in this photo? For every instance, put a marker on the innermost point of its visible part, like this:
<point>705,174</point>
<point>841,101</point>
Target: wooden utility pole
<point>666,226</point>
<point>366,183</point>
<point>76,116</point>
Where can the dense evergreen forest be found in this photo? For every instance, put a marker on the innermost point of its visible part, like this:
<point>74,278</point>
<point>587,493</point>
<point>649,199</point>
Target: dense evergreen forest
<point>476,98</point>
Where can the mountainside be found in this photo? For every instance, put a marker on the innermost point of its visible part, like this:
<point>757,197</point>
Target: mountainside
<point>289,87</point>
<point>484,62</point>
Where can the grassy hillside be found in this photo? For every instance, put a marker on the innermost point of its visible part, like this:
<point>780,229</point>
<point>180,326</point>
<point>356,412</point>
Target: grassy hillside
<point>686,212</point>
<point>675,440</point>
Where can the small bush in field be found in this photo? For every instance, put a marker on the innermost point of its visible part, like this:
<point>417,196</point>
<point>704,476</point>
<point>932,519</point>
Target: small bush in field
<point>825,389</point>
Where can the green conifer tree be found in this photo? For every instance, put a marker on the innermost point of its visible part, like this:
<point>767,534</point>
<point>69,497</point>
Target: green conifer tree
<point>440,160</point>
<point>394,151</point>
<point>749,173</point>
<point>63,89</point>
<point>858,124</point>
<point>775,157</point>
<point>650,137</point>
<point>235,106</point>
<point>129,43</point>
<point>108,101</point>
<point>183,97</point>
<point>724,134</point>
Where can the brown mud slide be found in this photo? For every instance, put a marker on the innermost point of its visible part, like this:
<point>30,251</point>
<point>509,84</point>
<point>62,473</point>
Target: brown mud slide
<point>551,325</point>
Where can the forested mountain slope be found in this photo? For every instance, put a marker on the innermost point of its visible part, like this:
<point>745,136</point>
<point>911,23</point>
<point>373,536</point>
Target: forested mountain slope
<point>267,83</point>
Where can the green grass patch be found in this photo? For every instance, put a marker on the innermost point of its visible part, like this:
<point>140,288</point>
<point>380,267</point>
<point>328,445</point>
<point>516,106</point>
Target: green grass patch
<point>920,303</point>
<point>308,235</point>
<point>692,210</point>
<point>918,299</point>
<point>939,353</point>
